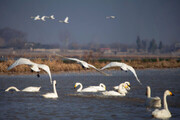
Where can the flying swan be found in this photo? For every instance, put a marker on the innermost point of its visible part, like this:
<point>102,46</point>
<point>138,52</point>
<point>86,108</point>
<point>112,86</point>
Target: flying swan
<point>163,113</point>
<point>43,18</point>
<point>123,66</point>
<point>84,64</point>
<point>34,66</point>
<point>52,95</point>
<point>28,89</point>
<point>101,87</point>
<point>36,17</point>
<point>65,20</point>
<point>120,92</point>
<point>152,101</point>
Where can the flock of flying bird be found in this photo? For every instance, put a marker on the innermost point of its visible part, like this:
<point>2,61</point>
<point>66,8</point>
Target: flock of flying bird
<point>120,90</point>
<point>43,18</point>
<point>66,20</point>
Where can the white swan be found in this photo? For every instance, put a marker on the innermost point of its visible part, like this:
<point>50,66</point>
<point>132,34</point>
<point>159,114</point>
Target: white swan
<point>35,67</point>
<point>65,20</point>
<point>152,101</point>
<point>128,87</point>
<point>36,17</point>
<point>99,88</point>
<point>163,113</point>
<point>52,95</point>
<point>52,17</point>
<point>108,17</point>
<point>28,89</point>
<point>120,92</point>
<point>84,64</point>
<point>43,18</point>
<point>123,66</point>
<point>88,89</point>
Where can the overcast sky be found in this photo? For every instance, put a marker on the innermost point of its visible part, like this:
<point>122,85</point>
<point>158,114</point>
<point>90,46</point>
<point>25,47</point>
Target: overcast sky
<point>158,19</point>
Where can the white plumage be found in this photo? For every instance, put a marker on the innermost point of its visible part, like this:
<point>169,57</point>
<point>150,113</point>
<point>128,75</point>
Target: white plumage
<point>52,95</point>
<point>28,89</point>
<point>34,66</point>
<point>163,113</point>
<point>123,66</point>
<point>152,101</point>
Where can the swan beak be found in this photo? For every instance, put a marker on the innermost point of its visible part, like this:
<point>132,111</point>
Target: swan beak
<point>75,86</point>
<point>126,86</point>
<point>105,87</point>
<point>171,93</point>
<point>129,85</point>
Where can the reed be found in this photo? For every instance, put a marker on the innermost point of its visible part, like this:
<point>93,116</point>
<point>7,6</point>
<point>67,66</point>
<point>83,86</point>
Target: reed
<point>57,65</point>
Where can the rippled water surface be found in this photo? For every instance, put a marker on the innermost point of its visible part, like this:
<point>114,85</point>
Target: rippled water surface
<point>73,105</point>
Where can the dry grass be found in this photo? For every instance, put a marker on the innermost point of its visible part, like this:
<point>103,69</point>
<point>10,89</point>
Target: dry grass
<point>56,65</point>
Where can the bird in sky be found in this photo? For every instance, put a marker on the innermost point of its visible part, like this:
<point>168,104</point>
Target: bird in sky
<point>65,20</point>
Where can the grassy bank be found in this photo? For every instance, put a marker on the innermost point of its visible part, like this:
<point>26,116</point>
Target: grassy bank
<point>57,65</point>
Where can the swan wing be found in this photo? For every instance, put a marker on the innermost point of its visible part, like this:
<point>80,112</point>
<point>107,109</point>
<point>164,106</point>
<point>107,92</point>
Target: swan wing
<point>66,19</point>
<point>46,68</point>
<point>98,70</point>
<point>134,72</point>
<point>21,61</point>
<point>112,64</point>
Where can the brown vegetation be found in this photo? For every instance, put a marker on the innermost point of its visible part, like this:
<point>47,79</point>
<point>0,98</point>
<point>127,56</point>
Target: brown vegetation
<point>57,65</point>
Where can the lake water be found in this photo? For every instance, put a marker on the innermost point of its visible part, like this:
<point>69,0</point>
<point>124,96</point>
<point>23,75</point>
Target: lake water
<point>73,105</point>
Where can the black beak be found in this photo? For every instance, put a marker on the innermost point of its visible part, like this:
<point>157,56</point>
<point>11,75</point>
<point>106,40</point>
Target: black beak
<point>172,95</point>
<point>31,70</point>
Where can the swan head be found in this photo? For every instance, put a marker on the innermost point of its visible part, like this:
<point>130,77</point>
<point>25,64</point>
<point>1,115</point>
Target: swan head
<point>128,83</point>
<point>54,81</point>
<point>102,85</point>
<point>167,92</point>
<point>76,84</point>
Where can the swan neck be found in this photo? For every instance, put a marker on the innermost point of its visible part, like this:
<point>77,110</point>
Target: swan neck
<point>148,92</point>
<point>80,88</point>
<point>165,102</point>
<point>12,88</point>
<point>54,87</point>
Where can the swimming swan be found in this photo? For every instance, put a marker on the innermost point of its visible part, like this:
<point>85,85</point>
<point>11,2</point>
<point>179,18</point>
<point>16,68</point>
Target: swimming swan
<point>101,87</point>
<point>152,101</point>
<point>52,95</point>
<point>28,89</point>
<point>163,113</point>
<point>126,90</point>
<point>123,67</point>
<point>34,66</point>
<point>120,92</point>
<point>88,89</point>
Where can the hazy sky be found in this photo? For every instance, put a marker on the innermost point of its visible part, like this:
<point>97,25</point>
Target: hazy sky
<point>159,19</point>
